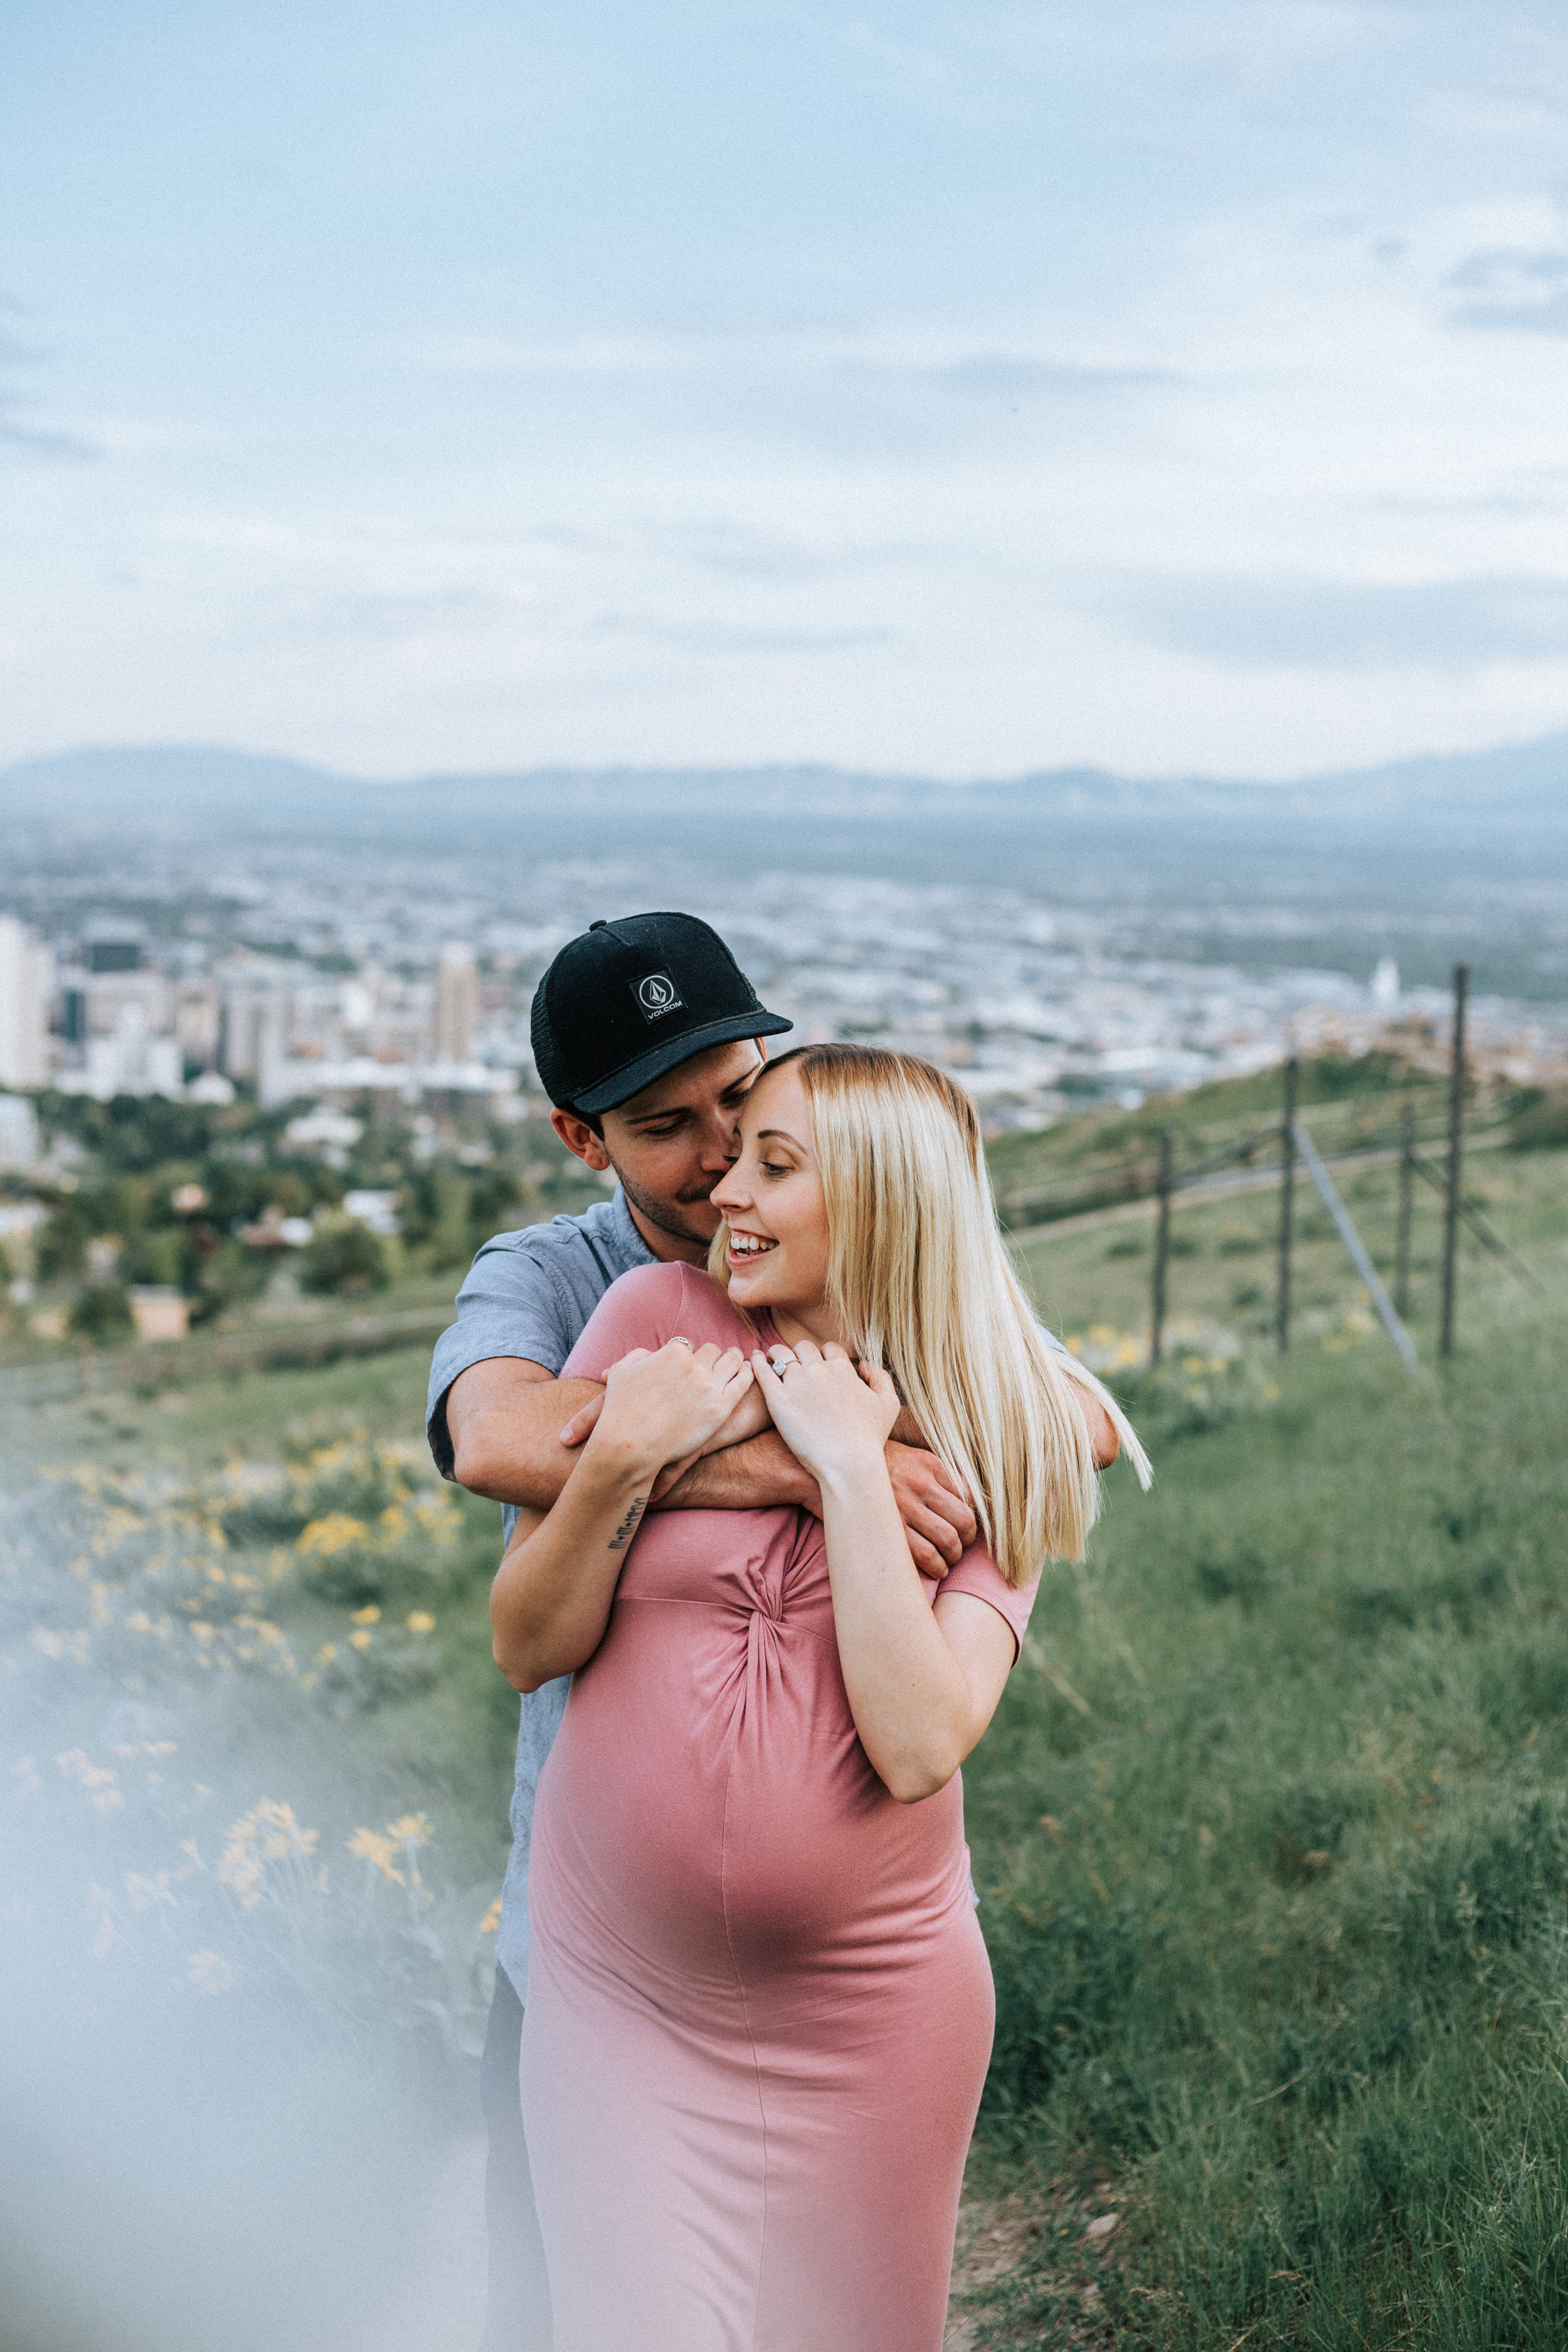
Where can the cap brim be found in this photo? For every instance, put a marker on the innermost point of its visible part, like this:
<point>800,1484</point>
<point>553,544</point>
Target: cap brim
<point>659,1060</point>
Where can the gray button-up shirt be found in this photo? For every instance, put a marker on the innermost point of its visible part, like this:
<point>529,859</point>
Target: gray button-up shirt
<point>529,1294</point>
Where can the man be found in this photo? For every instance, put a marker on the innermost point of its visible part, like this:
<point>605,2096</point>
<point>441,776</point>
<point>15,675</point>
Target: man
<point>648,1038</point>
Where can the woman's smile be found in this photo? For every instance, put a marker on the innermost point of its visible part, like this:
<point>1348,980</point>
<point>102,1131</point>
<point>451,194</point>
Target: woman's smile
<point>782,1264</point>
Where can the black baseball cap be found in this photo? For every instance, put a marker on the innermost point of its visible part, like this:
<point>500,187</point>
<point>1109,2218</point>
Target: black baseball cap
<point>627,1000</point>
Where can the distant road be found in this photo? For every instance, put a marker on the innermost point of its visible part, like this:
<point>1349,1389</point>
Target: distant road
<point>220,1355</point>
<point>1212,1188</point>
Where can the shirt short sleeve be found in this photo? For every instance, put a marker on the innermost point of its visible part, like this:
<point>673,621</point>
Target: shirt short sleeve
<point>510,1305</point>
<point>978,1574</point>
<point>641,1310</point>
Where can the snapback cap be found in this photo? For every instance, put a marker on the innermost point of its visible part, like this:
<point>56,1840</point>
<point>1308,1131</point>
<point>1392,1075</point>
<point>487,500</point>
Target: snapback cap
<point>627,1002</point>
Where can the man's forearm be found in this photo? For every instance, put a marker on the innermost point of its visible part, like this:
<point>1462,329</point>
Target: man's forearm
<point>507,1446</point>
<point>760,1474</point>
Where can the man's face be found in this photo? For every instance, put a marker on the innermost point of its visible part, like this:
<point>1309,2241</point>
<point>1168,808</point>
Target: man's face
<point>670,1145</point>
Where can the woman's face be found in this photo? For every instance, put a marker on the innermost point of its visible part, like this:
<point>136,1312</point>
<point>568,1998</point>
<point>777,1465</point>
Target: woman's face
<point>772,1198</point>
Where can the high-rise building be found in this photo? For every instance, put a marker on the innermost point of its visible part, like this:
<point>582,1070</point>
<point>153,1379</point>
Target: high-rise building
<point>24,999</point>
<point>456,1004</point>
<point>251,1028</point>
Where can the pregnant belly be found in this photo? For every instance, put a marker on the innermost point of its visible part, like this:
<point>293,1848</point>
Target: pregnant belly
<point>708,1809</point>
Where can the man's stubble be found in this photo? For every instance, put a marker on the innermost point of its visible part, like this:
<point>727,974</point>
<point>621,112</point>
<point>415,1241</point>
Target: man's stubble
<point>664,1215</point>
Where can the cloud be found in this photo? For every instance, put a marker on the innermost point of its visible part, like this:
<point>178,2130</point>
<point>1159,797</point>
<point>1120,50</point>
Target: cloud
<point>721,638</point>
<point>1456,626</point>
<point>18,429</point>
<point>1515,288</point>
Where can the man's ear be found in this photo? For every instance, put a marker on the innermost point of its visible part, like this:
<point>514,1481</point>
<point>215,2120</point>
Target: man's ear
<point>580,1139</point>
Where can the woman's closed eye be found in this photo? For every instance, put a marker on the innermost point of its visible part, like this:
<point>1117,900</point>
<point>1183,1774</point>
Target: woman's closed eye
<point>774,1168</point>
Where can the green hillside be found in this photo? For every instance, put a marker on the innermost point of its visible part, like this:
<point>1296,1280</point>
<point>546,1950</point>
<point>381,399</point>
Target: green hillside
<point>1270,1832</point>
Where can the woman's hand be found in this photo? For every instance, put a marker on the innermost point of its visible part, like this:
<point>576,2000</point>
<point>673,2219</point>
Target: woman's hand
<point>665,1407</point>
<point>834,1415</point>
<point>749,1418</point>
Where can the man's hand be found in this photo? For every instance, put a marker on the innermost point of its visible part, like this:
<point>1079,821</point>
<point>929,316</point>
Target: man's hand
<point>938,1521</point>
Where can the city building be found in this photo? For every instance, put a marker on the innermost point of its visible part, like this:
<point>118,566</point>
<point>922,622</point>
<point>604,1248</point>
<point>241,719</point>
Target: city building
<point>24,1006</point>
<point>19,1143</point>
<point>456,1003</point>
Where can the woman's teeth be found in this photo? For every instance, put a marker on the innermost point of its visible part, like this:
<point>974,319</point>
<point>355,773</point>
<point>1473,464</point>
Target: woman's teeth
<point>748,1245</point>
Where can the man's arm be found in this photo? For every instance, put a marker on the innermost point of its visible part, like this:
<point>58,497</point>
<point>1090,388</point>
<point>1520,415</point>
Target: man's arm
<point>506,1415</point>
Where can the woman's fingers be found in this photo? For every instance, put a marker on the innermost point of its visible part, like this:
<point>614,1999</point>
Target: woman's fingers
<point>584,1420</point>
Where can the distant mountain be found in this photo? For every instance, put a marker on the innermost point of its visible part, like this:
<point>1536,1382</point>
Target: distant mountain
<point>1414,824</point>
<point>112,785</point>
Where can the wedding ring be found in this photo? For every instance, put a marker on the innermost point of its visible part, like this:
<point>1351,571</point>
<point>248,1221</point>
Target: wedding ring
<point>680,1341</point>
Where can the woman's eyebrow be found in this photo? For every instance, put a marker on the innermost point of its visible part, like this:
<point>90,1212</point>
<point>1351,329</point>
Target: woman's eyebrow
<point>780,1135</point>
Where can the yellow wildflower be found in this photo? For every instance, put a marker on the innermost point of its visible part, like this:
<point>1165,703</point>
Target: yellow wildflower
<point>414,1829</point>
<point>420,1621</point>
<point>369,1615</point>
<point>360,1641</point>
<point>490,1924</point>
<point>367,1847</point>
<point>332,1534</point>
<point>326,1654</point>
<point>211,1974</point>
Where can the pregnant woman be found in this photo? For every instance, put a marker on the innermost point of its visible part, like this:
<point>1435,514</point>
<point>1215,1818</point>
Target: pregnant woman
<point>760,2008</point>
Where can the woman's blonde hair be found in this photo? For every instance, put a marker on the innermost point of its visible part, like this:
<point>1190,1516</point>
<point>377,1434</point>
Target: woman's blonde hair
<point>919,1277</point>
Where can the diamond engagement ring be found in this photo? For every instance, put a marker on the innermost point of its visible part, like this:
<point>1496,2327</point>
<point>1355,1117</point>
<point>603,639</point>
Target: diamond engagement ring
<point>781,1364</point>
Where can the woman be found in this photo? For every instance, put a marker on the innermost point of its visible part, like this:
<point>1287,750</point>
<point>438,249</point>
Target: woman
<point>760,2008</point>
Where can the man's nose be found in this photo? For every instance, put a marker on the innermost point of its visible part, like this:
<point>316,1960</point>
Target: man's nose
<point>721,1143</point>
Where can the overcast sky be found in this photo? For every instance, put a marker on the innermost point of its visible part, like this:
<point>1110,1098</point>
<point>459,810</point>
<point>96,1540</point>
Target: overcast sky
<point>960,389</point>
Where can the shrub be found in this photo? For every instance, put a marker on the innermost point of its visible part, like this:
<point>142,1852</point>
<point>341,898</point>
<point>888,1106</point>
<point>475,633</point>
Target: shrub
<point>103,1312</point>
<point>347,1258</point>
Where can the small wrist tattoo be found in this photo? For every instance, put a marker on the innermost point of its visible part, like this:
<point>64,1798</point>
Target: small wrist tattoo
<point>624,1533</point>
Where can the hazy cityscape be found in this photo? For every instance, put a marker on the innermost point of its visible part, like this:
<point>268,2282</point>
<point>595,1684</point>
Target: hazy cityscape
<point>407,982</point>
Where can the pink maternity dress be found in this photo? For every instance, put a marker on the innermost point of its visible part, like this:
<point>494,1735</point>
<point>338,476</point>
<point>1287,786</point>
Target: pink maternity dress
<point>759,2010</point>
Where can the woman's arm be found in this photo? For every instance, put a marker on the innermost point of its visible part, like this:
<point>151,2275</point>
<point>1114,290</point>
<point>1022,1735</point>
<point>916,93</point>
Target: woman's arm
<point>551,1595</point>
<point>922,1686</point>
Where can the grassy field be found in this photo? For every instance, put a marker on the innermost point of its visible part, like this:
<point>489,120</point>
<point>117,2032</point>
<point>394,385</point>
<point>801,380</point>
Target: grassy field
<point>1269,1833</point>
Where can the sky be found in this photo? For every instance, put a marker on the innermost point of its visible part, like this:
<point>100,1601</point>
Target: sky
<point>959,390</point>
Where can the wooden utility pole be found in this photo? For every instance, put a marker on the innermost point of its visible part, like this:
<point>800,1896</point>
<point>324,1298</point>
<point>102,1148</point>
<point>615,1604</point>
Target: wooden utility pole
<point>1163,1188</point>
<point>1455,1142</point>
<point>1406,1203</point>
<point>1287,1204</point>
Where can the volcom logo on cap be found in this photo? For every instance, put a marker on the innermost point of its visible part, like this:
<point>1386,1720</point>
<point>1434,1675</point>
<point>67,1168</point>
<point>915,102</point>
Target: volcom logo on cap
<point>657,994</point>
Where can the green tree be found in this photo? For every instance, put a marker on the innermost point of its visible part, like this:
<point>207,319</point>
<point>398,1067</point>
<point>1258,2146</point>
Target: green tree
<point>103,1313</point>
<point>62,1243</point>
<point>347,1258</point>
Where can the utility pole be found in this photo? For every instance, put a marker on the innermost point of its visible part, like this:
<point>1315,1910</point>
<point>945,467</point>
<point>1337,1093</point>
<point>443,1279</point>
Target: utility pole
<point>1455,1142</point>
<point>1287,1204</point>
<point>1164,1187</point>
<point>1406,1202</point>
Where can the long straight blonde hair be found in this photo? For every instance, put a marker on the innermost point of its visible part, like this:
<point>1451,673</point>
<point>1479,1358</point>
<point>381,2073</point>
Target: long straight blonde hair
<point>919,1280</point>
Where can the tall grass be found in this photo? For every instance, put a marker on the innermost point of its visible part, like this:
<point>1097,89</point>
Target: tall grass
<point>1279,1924</point>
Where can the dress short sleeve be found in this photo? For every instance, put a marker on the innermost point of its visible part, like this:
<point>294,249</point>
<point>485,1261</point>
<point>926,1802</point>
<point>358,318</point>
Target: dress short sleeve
<point>641,1310</point>
<point>978,1574</point>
